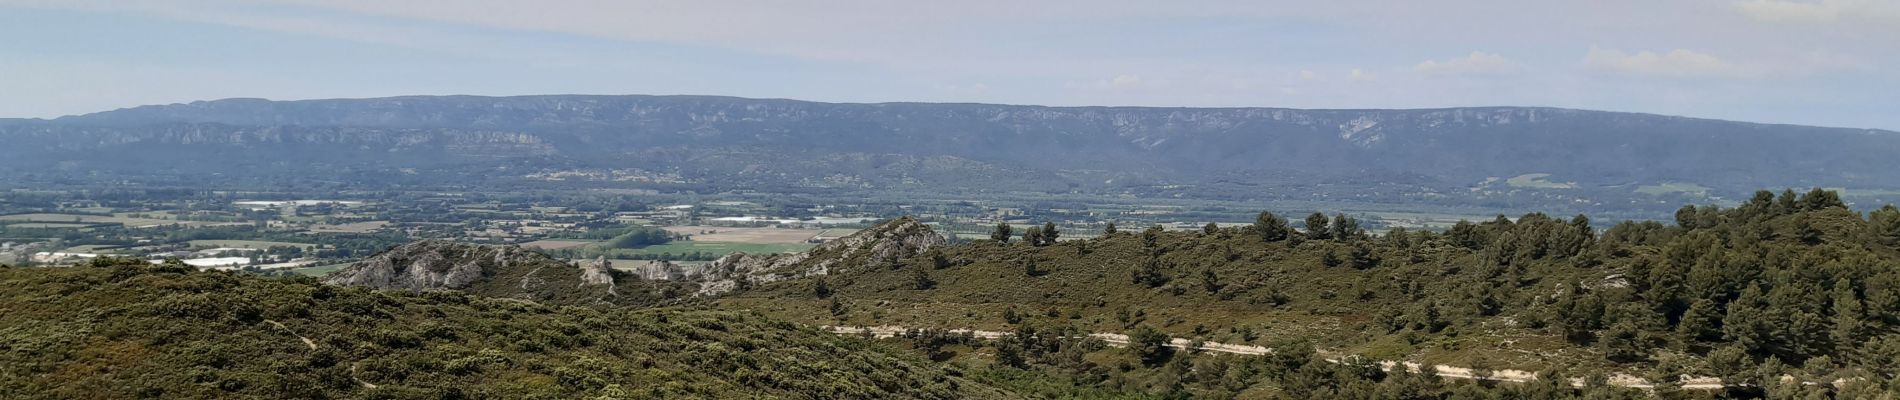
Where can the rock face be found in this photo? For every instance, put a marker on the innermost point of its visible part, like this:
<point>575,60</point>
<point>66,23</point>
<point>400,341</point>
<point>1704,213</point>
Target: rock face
<point>598,272</point>
<point>887,242</point>
<point>431,264</point>
<point>499,271</point>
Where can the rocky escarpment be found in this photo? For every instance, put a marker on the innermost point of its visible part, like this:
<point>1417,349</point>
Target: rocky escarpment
<point>887,242</point>
<point>499,271</point>
<point>433,264</point>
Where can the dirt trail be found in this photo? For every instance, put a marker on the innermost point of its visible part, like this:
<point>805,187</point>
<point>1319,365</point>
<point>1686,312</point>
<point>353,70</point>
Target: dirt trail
<point>313,346</point>
<point>306,341</point>
<point>1502,375</point>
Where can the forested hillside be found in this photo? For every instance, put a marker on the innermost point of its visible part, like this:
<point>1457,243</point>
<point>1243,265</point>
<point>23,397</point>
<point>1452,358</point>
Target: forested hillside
<point>1785,284</point>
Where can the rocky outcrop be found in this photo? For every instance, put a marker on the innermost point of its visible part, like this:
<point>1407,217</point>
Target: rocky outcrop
<point>887,242</point>
<point>498,271</point>
<point>432,264</point>
<point>598,272</point>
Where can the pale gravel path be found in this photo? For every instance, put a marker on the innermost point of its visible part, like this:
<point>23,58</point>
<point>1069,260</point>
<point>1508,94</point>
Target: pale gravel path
<point>1502,375</point>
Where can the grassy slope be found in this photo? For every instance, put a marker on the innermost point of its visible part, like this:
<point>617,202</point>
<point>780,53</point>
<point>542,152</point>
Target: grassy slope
<point>127,332</point>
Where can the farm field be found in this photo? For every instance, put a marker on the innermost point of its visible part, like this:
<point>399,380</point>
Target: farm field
<point>1536,181</point>
<point>552,244</point>
<point>100,219</point>
<point>47,225</point>
<point>1672,187</point>
<point>320,270</point>
<point>245,244</point>
<point>688,247</point>
<point>353,227</point>
<point>752,235</point>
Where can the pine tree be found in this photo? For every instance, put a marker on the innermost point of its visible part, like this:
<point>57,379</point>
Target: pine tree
<point>1210,229</point>
<point>1150,273</point>
<point>1033,236</point>
<point>1271,227</point>
<point>1002,233</point>
<point>1108,230</point>
<point>1886,225</point>
<point>1701,322</point>
<point>1849,326</point>
<point>920,279</point>
<point>1049,234</point>
<point>1346,228</point>
<point>1151,345</point>
<point>1210,281</point>
<point>1316,227</point>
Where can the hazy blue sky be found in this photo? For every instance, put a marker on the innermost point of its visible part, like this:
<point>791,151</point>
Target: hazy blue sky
<point>1823,62</point>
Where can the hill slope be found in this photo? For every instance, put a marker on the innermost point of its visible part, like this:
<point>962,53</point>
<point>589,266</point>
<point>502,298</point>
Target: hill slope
<point>138,331</point>
<point>1739,293</point>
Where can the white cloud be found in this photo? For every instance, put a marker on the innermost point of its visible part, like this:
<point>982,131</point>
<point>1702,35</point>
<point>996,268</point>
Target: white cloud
<point>1823,11</point>
<point>1478,63</point>
<point>1678,63</point>
<point>1358,75</point>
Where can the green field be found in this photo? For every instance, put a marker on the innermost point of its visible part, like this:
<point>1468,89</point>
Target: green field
<point>688,247</point>
<point>47,225</point>
<point>101,219</point>
<point>320,270</point>
<point>1672,187</point>
<point>1536,181</point>
<point>246,244</point>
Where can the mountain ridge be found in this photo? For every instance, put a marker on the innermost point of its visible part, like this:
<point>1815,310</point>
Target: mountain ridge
<point>231,100</point>
<point>711,144</point>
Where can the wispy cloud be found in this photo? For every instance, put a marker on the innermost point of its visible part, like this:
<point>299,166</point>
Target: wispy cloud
<point>1678,63</point>
<point>1478,63</point>
<point>1823,11</point>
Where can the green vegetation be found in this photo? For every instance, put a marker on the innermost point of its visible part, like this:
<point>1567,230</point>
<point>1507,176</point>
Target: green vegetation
<point>1783,284</point>
<point>128,330</point>
<point>640,236</point>
<point>1673,187</point>
<point>1536,181</point>
<point>247,244</point>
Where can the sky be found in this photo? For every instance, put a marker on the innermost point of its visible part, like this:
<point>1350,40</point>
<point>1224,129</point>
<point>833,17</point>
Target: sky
<point>1812,62</point>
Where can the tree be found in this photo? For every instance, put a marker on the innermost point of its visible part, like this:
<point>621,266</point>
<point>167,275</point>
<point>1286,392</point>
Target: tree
<point>1821,199</point>
<point>1210,280</point>
<point>1686,217</point>
<point>1049,234</point>
<point>921,279</point>
<point>1702,322</point>
<point>1271,227</point>
<point>821,288</point>
<point>1150,273</point>
<point>1010,354</point>
<point>1210,229</point>
<point>1317,227</point>
<point>1030,269</point>
<point>1108,230</point>
<point>1346,228</point>
<point>1002,232</point>
<point>1151,345</point>
<point>1623,342</point>
<point>1886,224</point>
<point>1361,257</point>
<point>1033,236</point>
